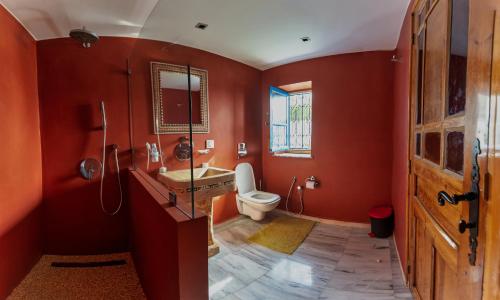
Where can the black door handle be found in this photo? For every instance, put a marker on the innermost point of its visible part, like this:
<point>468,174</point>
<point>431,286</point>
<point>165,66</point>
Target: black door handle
<point>463,225</point>
<point>444,197</point>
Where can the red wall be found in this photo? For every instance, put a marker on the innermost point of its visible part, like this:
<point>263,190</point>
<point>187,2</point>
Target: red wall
<point>72,81</point>
<point>20,154</point>
<point>234,93</point>
<point>400,135</point>
<point>351,135</point>
<point>169,249</point>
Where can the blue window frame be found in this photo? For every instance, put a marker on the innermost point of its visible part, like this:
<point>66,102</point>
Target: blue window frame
<point>290,121</point>
<point>279,119</point>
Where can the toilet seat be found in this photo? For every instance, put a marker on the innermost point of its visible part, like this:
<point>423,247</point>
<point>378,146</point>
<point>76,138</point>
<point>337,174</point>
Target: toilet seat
<point>260,197</point>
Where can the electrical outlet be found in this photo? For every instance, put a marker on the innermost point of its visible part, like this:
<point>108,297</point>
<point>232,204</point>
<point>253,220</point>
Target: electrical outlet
<point>210,144</point>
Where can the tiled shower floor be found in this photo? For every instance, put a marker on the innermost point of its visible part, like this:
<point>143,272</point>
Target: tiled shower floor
<point>48,283</point>
<point>334,262</point>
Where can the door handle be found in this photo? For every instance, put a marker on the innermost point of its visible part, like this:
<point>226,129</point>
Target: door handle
<point>443,197</point>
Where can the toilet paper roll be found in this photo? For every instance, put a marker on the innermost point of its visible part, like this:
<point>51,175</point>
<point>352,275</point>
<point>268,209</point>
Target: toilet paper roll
<point>310,185</point>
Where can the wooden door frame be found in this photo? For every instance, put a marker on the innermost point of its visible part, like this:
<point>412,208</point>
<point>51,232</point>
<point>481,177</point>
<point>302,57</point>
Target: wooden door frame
<point>409,158</point>
<point>408,149</point>
<point>491,275</point>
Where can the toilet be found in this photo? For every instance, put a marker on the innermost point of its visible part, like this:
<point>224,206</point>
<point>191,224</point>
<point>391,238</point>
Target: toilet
<point>250,201</point>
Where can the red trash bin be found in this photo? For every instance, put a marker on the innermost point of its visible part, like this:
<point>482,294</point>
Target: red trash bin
<point>382,221</point>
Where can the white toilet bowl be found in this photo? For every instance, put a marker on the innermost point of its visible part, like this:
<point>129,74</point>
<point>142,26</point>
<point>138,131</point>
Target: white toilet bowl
<point>249,200</point>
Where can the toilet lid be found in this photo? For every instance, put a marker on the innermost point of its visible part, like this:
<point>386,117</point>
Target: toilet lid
<point>245,181</point>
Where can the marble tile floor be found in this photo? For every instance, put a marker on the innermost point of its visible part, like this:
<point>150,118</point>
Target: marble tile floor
<point>334,262</point>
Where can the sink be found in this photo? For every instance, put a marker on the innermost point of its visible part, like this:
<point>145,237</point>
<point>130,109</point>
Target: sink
<point>208,183</point>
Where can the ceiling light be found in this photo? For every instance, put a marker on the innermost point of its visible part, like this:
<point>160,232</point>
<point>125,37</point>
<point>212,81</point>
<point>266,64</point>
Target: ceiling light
<point>201,26</point>
<point>305,39</point>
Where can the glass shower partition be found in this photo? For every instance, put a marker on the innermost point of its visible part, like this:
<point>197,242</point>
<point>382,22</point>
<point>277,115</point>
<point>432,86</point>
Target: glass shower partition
<point>161,95</point>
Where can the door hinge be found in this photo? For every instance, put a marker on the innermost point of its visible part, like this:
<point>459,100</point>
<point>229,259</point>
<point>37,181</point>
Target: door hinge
<point>413,39</point>
<point>408,269</point>
<point>409,166</point>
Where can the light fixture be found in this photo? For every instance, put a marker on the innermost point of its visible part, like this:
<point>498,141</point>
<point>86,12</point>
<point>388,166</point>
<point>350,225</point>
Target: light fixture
<point>201,26</point>
<point>305,39</point>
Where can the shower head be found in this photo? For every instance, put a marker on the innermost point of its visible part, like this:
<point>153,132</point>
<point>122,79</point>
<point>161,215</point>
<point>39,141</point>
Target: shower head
<point>87,38</point>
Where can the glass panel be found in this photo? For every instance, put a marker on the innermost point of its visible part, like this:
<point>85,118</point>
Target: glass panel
<point>166,157</point>
<point>278,137</point>
<point>420,75</point>
<point>300,121</point>
<point>455,151</point>
<point>458,57</point>
<point>433,147</point>
<point>436,56</point>
<point>418,144</point>
<point>279,110</point>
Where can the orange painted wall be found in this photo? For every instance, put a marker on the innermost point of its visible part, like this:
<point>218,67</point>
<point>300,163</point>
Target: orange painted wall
<point>352,135</point>
<point>234,105</point>
<point>400,135</point>
<point>72,80</point>
<point>169,249</point>
<point>20,154</point>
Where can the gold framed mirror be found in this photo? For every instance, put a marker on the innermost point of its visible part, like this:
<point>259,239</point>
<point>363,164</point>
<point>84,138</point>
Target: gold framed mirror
<point>170,99</point>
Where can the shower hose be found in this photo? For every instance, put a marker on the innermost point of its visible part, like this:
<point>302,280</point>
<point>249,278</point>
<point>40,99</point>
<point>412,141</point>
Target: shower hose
<point>294,179</point>
<point>115,150</point>
<point>301,192</point>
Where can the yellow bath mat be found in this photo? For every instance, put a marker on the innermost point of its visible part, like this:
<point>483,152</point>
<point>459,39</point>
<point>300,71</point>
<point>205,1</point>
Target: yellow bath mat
<point>284,234</point>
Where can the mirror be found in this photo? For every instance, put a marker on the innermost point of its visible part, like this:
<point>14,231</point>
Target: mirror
<point>171,102</point>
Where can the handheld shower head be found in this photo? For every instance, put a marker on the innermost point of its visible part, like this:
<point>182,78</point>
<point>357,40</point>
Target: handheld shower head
<point>103,112</point>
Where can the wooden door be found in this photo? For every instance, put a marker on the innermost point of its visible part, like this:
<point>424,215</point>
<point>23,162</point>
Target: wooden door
<point>449,121</point>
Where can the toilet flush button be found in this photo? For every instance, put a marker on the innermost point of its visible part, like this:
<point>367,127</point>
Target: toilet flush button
<point>210,144</point>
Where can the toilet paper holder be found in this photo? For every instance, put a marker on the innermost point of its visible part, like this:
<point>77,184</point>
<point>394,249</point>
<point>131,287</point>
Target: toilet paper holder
<point>312,182</point>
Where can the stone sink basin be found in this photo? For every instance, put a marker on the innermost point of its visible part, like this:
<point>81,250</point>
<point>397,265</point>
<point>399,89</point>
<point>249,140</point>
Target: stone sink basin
<point>208,183</point>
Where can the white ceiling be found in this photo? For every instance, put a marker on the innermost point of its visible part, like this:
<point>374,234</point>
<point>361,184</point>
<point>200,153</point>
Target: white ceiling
<point>260,33</point>
<point>47,19</point>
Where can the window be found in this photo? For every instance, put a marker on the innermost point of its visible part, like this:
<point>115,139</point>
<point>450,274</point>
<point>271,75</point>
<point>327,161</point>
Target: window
<point>290,122</point>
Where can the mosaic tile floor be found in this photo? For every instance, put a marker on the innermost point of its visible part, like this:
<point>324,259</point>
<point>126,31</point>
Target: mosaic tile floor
<point>48,283</point>
<point>334,262</point>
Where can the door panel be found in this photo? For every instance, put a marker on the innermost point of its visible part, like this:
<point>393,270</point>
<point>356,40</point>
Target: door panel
<point>423,247</point>
<point>444,279</point>
<point>431,181</point>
